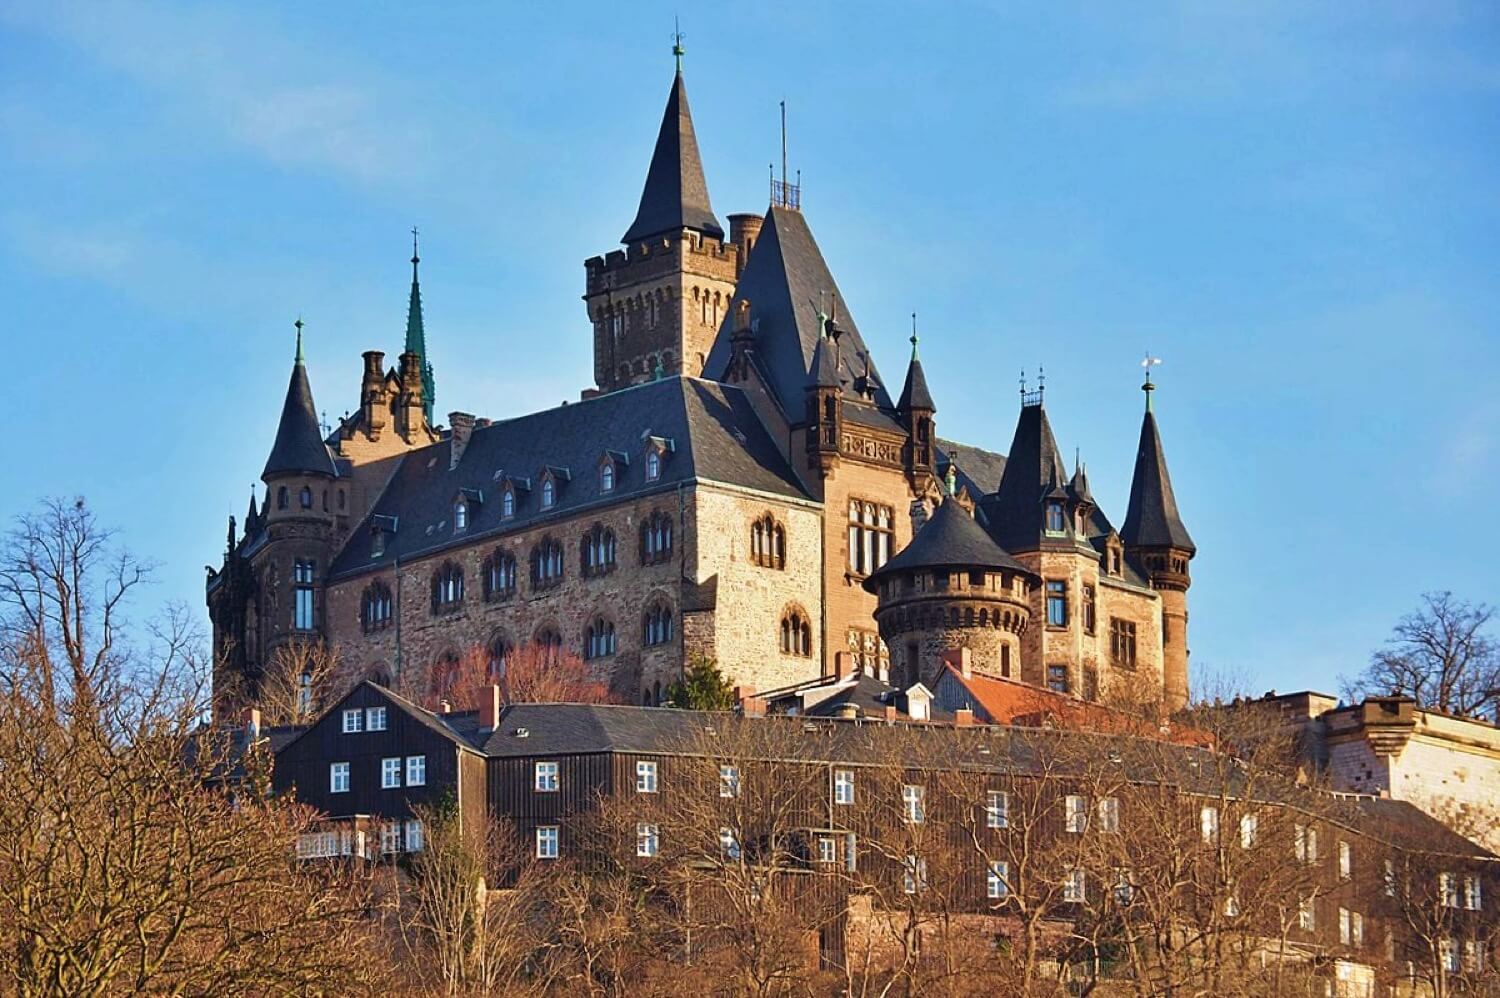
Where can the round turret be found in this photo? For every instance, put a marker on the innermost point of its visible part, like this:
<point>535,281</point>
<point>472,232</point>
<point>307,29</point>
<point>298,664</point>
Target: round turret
<point>952,587</point>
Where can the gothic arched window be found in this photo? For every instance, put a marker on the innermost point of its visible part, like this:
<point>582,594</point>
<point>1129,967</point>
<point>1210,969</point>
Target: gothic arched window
<point>305,497</point>
<point>508,503</point>
<point>546,563</point>
<point>375,607</point>
<point>768,542</point>
<point>796,634</point>
<point>447,588</point>
<point>461,515</point>
<point>607,476</point>
<point>499,574</point>
<point>499,657</point>
<point>596,551</point>
<point>653,466</point>
<point>599,639</point>
<point>658,624</point>
<point>656,538</point>
<point>549,493</point>
<point>549,643</point>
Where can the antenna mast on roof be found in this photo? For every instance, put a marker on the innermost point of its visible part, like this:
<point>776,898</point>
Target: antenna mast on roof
<point>783,193</point>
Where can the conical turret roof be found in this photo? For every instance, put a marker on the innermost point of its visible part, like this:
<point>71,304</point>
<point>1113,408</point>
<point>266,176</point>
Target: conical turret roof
<point>1033,472</point>
<point>299,447</point>
<point>950,539</point>
<point>1152,519</point>
<point>676,195</point>
<point>914,394</point>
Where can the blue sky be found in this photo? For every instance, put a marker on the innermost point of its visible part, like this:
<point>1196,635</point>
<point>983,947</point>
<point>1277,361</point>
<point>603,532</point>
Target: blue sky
<point>1295,205</point>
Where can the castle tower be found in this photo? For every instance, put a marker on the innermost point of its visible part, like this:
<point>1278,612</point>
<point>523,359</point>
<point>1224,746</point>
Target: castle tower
<point>659,302</point>
<point>825,413</point>
<point>1156,539</point>
<point>952,587</point>
<point>916,410</point>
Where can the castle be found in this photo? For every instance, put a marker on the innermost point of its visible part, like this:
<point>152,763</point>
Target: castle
<point>738,484</point>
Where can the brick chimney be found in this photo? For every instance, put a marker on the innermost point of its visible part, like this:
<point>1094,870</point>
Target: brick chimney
<point>961,659</point>
<point>489,707</point>
<point>963,718</point>
<point>750,704</point>
<point>843,665</point>
<point>461,425</point>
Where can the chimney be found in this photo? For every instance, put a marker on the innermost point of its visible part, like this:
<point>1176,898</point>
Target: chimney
<point>890,712</point>
<point>372,393</point>
<point>462,427</point>
<point>252,725</point>
<point>444,707</point>
<point>744,230</point>
<point>961,659</point>
<point>843,665</point>
<point>489,707</point>
<point>753,706</point>
<point>963,718</point>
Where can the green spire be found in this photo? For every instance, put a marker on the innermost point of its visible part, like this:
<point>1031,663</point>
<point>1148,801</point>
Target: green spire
<point>416,336</point>
<point>677,50</point>
<point>952,477</point>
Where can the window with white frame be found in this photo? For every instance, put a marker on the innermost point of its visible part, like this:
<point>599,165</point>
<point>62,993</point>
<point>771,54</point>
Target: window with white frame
<point>545,777</point>
<point>997,880</point>
<point>416,770</point>
<point>1346,861</point>
<point>914,803</point>
<point>645,777</point>
<point>871,535</point>
<point>828,851</point>
<point>1448,955</point>
<point>1109,814</point>
<point>338,778</point>
<point>413,835</point>
<point>1473,898</point>
<point>390,837</point>
<point>729,781</point>
<point>1124,889</point>
<point>1075,887</point>
<point>1307,918</point>
<point>996,809</point>
<point>1208,822</point>
<point>390,773</point>
<point>843,786</point>
<point>1076,814</point>
<point>1390,878</point>
<point>1305,842</point>
<point>1356,929</point>
<point>1249,830</point>
<point>729,844</point>
<point>647,839</point>
<point>507,504</point>
<point>546,842</point>
<point>354,721</point>
<point>914,874</point>
<point>374,718</point>
<point>1448,889</point>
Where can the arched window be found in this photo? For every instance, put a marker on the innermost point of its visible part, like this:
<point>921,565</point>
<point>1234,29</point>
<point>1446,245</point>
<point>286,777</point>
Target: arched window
<point>546,563</point>
<point>596,551</point>
<point>499,572</point>
<point>607,476</point>
<point>656,538</point>
<point>283,498</point>
<point>768,543</point>
<point>499,657</point>
<point>444,674</point>
<point>549,642</point>
<point>549,493</point>
<point>653,466</point>
<point>507,503</point>
<point>447,588</point>
<point>796,634</point>
<point>461,515</point>
<point>599,639</point>
<point>375,607</point>
<point>658,624</point>
<point>305,497</point>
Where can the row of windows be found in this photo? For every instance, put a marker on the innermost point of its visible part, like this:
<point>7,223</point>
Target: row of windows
<point>1122,633</point>
<point>356,720</point>
<point>599,639</point>
<point>305,499</point>
<point>551,488</point>
<point>390,769</point>
<point>395,837</point>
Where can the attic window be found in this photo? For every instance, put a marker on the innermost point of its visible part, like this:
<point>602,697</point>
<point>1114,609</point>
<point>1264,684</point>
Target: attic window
<point>508,503</point>
<point>653,466</point>
<point>1056,522</point>
<point>607,476</point>
<point>377,544</point>
<point>549,493</point>
<point>460,515</point>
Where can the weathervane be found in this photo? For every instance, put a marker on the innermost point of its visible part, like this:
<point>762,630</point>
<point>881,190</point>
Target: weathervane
<point>677,50</point>
<point>914,336</point>
<point>414,257</point>
<point>1148,363</point>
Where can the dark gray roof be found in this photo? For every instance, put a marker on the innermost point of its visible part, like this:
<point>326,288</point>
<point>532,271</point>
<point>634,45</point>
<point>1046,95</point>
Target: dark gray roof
<point>713,430</point>
<point>950,539</point>
<point>784,280</point>
<point>1152,519</point>
<point>825,368</point>
<point>1033,472</point>
<point>557,728</point>
<point>299,447</point>
<point>978,469</point>
<point>914,393</point>
<point>676,195</point>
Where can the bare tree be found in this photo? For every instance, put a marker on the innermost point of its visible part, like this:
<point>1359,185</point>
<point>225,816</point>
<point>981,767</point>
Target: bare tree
<point>1442,655</point>
<point>530,673</point>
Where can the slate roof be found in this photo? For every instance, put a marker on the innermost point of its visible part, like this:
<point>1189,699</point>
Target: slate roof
<point>558,728</point>
<point>950,539</point>
<point>1152,519</point>
<point>714,433</point>
<point>1033,470</point>
<point>784,280</point>
<point>914,393</point>
<point>978,469</point>
<point>299,448</point>
<point>676,195</point>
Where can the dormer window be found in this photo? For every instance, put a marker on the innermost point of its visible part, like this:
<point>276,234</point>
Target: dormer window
<point>1056,522</point>
<point>508,504</point>
<point>653,466</point>
<point>377,544</point>
<point>461,515</point>
<point>607,476</point>
<point>549,493</point>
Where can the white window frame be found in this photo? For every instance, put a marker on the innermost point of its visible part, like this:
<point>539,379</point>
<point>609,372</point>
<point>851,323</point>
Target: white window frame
<point>374,718</point>
<point>914,803</point>
<point>729,844</point>
<point>1307,915</point>
<point>1346,860</point>
<point>416,770</point>
<point>1076,814</point>
<point>1249,830</point>
<point>843,786</point>
<point>545,778</point>
<point>548,842</point>
<point>1109,814</point>
<point>729,781</point>
<point>645,776</point>
<point>914,875</point>
<point>828,850</point>
<point>415,837</point>
<point>1473,893</point>
<point>390,837</point>
<point>647,839</point>
<point>1208,823</point>
<point>1075,887</point>
<point>354,721</point>
<point>390,773</point>
<point>997,809</point>
<point>1448,890</point>
<point>1343,926</point>
<point>338,777</point>
<point>997,880</point>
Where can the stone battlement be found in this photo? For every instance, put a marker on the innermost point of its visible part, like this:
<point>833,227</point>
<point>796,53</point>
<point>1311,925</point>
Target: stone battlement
<point>673,252</point>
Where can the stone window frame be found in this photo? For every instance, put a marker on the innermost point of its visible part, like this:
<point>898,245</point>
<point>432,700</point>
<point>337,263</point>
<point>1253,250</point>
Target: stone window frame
<point>447,588</point>
<point>376,607</point>
<point>548,563</point>
<point>795,633</point>
<point>499,566</point>
<point>1058,597</point>
<point>870,539</point>
<point>600,639</point>
<point>1123,643</point>
<point>1090,608</point>
<point>768,542</point>
<point>597,551</point>
<point>548,640</point>
<point>656,538</point>
<point>658,625</point>
<point>498,650</point>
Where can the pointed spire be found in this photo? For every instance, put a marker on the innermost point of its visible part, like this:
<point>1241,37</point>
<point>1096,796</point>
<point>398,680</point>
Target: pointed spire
<point>914,394</point>
<point>1152,519</point>
<point>299,447</point>
<point>1033,474</point>
<point>252,517</point>
<point>676,195</point>
<point>825,365</point>
<point>416,333</point>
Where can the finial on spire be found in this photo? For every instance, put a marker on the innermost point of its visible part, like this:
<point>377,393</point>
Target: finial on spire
<point>677,50</point>
<point>914,336</point>
<point>1148,363</point>
<point>951,479</point>
<point>298,324</point>
<point>415,259</point>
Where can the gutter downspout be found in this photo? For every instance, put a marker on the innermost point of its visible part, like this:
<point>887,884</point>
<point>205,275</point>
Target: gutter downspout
<point>396,677</point>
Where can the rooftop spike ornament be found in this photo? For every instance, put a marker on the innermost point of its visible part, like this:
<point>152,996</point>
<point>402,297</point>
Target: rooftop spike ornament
<point>1148,363</point>
<point>298,324</point>
<point>677,50</point>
